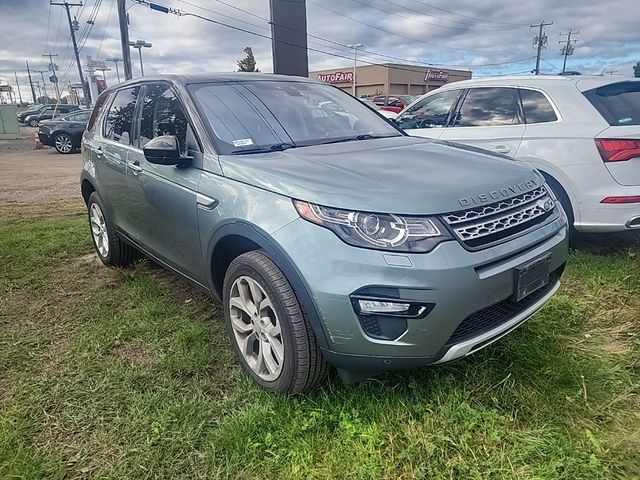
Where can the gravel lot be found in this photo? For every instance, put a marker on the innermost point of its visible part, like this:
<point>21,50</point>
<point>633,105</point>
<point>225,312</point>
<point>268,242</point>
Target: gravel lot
<point>28,175</point>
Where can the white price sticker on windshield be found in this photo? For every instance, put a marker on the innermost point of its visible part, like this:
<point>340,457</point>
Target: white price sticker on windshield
<point>243,142</point>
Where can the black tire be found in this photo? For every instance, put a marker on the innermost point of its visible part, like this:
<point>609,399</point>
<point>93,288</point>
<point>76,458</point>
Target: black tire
<point>303,366</point>
<point>33,122</point>
<point>67,139</point>
<point>118,253</point>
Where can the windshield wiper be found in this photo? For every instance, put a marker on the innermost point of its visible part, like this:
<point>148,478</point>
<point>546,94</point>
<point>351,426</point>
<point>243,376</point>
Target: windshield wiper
<point>366,136</point>
<point>277,147</point>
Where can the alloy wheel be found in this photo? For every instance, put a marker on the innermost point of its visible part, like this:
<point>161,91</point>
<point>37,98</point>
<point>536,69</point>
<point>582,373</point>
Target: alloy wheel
<point>63,144</point>
<point>256,328</point>
<point>99,230</point>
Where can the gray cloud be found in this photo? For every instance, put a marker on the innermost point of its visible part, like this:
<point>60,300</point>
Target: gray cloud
<point>406,29</point>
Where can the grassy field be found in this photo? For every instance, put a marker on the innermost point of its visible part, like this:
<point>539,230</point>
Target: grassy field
<point>121,374</point>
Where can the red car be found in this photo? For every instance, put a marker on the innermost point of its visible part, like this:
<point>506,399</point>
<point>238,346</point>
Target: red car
<point>393,103</point>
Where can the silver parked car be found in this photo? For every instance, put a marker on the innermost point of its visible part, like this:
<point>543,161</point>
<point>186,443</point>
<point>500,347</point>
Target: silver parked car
<point>330,236</point>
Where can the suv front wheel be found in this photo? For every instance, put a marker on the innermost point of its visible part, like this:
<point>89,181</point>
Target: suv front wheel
<point>267,328</point>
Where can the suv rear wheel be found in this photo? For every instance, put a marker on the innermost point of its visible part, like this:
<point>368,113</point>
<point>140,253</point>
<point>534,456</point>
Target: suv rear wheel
<point>109,247</point>
<point>267,328</point>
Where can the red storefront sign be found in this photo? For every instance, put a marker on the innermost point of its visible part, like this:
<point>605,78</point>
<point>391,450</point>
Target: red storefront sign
<point>336,77</point>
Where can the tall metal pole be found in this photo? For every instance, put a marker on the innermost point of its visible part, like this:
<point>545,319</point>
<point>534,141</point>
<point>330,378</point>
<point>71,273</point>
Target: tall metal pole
<point>141,66</point>
<point>33,92</point>
<point>66,5</point>
<point>18,86</point>
<point>115,61</point>
<point>124,39</point>
<point>541,41</point>
<point>355,47</point>
<point>44,85</point>
<point>567,49</point>
<point>52,68</point>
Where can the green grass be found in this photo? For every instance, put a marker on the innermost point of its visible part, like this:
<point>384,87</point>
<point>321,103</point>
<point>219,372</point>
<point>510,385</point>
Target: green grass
<point>119,374</point>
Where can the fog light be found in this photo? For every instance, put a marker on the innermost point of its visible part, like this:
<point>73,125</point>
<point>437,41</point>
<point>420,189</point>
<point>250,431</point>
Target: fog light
<point>382,308</point>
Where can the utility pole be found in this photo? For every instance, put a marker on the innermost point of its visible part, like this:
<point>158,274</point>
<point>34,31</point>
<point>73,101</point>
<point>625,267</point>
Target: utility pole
<point>355,47</point>
<point>18,86</point>
<point>115,60</point>
<point>44,85</point>
<point>124,39</point>
<point>52,68</point>
<point>567,49</point>
<point>33,91</point>
<point>66,5</point>
<point>540,41</point>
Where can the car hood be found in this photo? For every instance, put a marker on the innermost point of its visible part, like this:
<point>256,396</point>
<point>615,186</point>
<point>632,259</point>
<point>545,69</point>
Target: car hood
<point>403,175</point>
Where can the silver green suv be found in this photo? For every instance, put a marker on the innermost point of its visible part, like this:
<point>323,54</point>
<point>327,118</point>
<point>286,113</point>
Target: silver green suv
<point>330,236</point>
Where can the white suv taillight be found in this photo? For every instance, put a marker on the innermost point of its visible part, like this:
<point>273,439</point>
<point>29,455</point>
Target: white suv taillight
<point>618,149</point>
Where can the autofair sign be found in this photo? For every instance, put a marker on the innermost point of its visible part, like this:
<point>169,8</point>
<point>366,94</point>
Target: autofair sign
<point>336,77</point>
<point>437,75</point>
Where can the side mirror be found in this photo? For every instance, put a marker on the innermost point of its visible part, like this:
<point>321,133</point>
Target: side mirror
<point>164,150</point>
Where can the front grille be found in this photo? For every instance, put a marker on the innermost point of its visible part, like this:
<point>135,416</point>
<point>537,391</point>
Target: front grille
<point>487,224</point>
<point>499,313</point>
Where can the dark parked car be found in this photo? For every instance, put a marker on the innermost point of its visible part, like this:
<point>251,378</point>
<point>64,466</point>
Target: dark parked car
<point>64,133</point>
<point>45,112</point>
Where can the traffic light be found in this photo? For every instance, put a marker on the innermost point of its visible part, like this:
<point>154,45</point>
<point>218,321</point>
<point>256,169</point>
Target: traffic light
<point>636,70</point>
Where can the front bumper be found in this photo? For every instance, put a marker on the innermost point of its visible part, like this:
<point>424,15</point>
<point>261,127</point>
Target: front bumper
<point>457,282</point>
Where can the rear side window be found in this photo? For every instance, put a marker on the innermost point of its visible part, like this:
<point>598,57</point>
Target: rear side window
<point>119,119</point>
<point>536,107</point>
<point>102,99</point>
<point>489,107</point>
<point>618,103</point>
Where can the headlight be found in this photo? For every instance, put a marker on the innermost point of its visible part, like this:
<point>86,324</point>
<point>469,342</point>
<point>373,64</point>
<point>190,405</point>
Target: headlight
<point>380,231</point>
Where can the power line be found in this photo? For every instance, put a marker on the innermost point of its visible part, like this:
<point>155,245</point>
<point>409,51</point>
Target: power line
<point>339,14</point>
<point>343,46</point>
<point>179,12</point>
<point>468,16</point>
<point>106,25</point>
<point>413,10</point>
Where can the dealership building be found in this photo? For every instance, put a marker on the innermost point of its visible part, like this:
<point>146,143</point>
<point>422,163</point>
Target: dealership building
<point>388,78</point>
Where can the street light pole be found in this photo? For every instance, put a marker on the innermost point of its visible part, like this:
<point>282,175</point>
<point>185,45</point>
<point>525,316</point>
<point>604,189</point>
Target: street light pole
<point>139,44</point>
<point>355,47</point>
<point>115,61</point>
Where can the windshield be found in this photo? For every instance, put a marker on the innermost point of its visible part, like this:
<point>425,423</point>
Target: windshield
<point>248,117</point>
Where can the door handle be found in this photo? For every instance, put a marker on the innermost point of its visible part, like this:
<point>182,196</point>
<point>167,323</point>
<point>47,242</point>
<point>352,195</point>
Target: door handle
<point>99,152</point>
<point>135,168</point>
<point>501,149</point>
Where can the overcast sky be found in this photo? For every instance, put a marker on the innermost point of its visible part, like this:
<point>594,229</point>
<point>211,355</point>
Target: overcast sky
<point>466,33</point>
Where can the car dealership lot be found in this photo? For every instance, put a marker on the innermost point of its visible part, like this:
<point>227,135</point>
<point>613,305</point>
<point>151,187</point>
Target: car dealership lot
<point>35,175</point>
<point>128,373</point>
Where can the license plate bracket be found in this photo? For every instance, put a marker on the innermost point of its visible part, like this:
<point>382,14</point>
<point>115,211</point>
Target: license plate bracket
<point>532,276</point>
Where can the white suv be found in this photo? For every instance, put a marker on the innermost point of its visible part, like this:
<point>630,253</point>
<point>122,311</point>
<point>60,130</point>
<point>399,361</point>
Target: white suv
<point>582,133</point>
